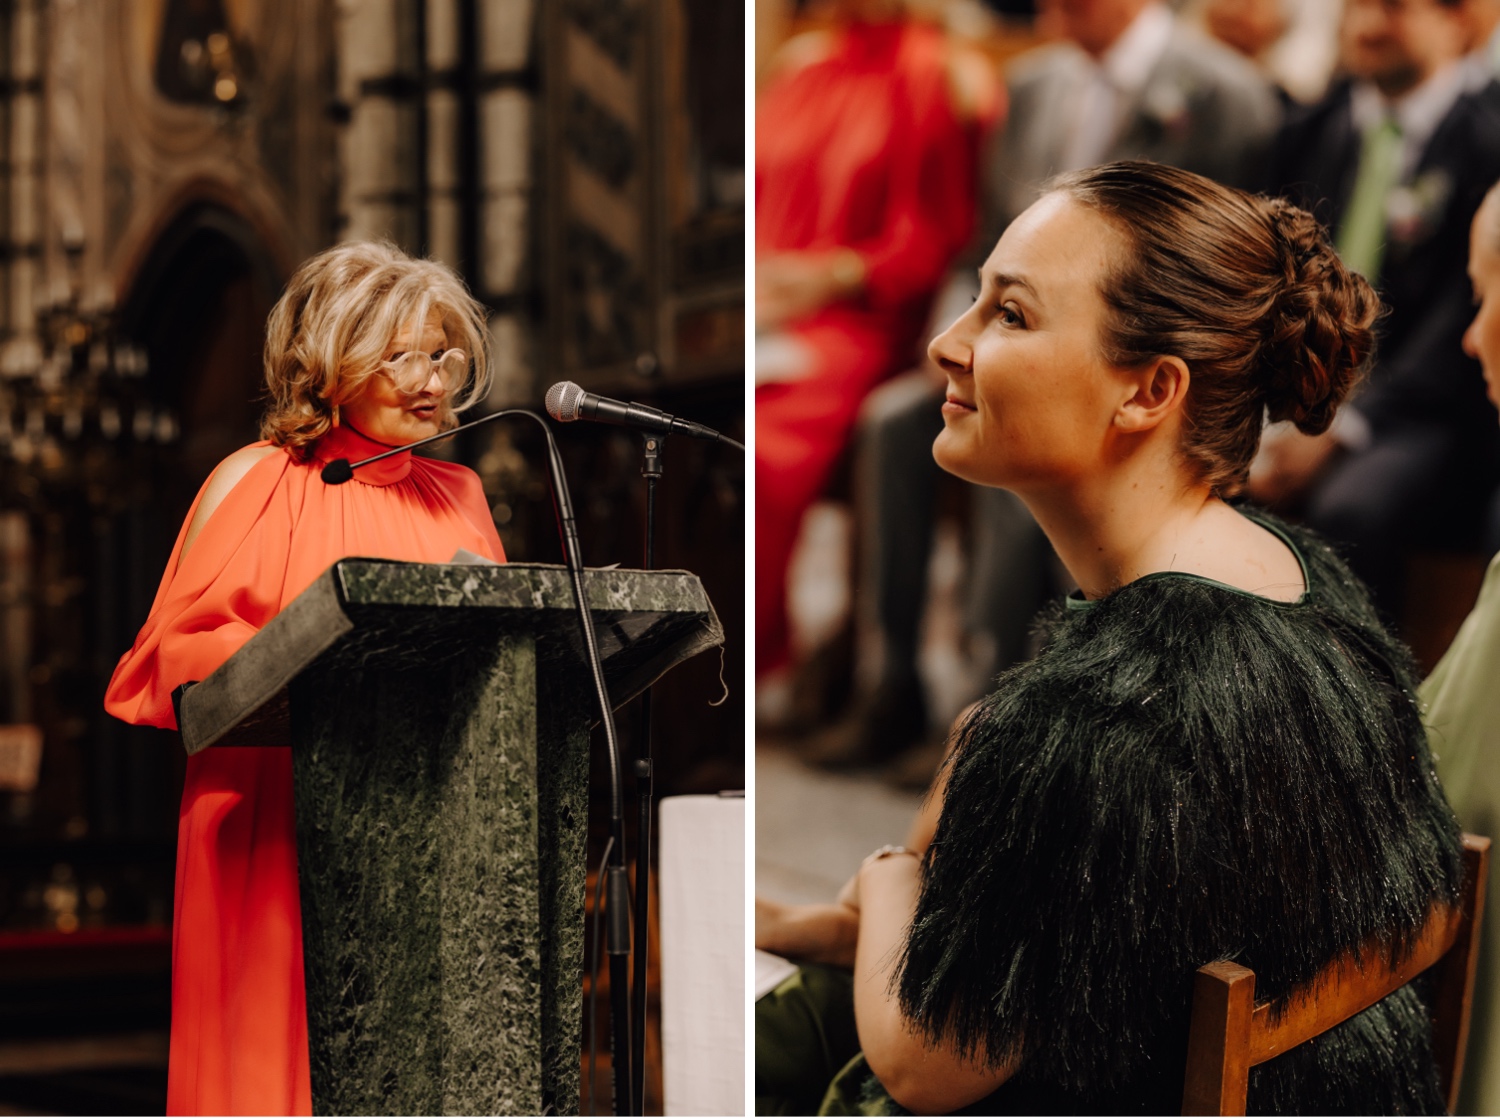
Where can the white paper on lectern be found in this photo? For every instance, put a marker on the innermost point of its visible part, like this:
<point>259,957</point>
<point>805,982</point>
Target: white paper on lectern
<point>702,881</point>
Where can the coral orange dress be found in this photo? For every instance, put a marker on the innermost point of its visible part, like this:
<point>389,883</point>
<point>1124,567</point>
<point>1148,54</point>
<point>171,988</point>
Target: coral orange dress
<point>239,1017</point>
<point>863,150</point>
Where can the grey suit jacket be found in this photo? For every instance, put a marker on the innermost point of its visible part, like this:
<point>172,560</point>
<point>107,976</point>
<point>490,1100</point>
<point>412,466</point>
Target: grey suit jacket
<point>1203,108</point>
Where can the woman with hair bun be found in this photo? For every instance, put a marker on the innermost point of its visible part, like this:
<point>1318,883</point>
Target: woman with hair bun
<point>366,350</point>
<point>1217,755</point>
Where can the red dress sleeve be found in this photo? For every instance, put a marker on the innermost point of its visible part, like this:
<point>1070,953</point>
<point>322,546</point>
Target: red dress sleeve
<point>210,602</point>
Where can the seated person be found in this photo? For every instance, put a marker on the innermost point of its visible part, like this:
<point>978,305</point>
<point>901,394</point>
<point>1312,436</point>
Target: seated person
<point>1463,704</point>
<point>1218,754</point>
<point>866,149</point>
<point>1395,160</point>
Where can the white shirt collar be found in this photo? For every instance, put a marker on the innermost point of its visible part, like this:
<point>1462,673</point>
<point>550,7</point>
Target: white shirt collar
<point>1418,112</point>
<point>1130,58</point>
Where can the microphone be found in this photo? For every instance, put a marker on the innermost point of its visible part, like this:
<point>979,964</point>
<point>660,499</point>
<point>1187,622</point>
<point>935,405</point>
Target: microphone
<point>566,402</point>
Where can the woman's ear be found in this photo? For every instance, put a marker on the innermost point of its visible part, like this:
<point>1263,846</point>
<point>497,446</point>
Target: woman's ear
<point>1157,389</point>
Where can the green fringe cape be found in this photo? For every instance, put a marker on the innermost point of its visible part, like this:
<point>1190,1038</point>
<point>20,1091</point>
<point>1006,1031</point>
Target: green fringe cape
<point>1187,773</point>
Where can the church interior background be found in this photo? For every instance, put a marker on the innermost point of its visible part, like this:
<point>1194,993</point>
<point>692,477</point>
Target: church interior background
<point>164,166</point>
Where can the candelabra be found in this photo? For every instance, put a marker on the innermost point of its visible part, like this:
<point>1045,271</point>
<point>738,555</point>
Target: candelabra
<point>74,400</point>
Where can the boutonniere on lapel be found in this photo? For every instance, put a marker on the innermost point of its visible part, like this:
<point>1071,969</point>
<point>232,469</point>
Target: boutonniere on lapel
<point>1165,107</point>
<point>1413,211</point>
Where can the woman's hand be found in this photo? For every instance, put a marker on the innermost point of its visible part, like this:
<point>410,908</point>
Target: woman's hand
<point>792,285</point>
<point>809,933</point>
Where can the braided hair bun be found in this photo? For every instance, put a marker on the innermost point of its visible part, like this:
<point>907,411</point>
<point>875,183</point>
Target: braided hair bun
<point>1319,330</point>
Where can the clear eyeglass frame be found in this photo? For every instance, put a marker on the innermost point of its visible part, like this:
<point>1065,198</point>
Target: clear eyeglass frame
<point>411,371</point>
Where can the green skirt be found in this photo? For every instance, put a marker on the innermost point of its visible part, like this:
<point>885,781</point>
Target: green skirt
<point>807,1058</point>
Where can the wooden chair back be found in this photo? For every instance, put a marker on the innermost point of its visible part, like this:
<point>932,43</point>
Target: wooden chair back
<point>1230,1034</point>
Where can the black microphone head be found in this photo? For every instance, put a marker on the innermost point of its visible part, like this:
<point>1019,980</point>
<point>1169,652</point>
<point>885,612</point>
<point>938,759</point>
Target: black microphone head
<point>337,472</point>
<point>564,401</point>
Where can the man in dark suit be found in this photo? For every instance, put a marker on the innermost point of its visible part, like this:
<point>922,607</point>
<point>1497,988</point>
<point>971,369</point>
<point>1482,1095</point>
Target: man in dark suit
<point>1395,161</point>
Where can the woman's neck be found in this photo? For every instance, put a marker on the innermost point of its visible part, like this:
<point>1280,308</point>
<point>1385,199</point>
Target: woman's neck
<point>1109,534</point>
<point>1138,519</point>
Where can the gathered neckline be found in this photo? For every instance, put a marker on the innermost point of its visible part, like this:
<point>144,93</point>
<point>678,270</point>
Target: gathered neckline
<point>345,442</point>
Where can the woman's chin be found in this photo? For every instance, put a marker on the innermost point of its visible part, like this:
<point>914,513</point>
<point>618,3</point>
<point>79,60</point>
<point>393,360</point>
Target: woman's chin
<point>417,426</point>
<point>951,452</point>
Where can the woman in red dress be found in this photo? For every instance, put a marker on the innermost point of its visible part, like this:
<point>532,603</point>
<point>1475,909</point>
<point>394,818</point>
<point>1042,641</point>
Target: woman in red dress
<point>866,151</point>
<point>366,350</point>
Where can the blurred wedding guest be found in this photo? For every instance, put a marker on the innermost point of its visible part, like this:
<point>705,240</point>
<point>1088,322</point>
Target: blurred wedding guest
<point>867,142</point>
<point>1128,80</point>
<point>1395,160</point>
<point>1462,701</point>
<point>1482,20</point>
<point>1295,42</point>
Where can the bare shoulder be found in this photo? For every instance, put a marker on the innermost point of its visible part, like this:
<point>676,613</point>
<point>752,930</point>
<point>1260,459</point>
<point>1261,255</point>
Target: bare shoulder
<point>227,474</point>
<point>1247,555</point>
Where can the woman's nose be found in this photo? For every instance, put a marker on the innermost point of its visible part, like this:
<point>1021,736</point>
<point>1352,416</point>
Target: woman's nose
<point>436,385</point>
<point>1471,338</point>
<point>950,350</point>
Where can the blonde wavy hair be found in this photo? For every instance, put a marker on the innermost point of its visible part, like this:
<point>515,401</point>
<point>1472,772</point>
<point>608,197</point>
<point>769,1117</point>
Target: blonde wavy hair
<point>333,327</point>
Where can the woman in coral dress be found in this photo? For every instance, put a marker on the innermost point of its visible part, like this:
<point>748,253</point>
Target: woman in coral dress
<point>367,350</point>
<point>867,141</point>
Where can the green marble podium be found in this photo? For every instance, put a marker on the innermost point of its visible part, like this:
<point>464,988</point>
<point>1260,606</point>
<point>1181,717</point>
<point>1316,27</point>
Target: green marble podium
<point>439,717</point>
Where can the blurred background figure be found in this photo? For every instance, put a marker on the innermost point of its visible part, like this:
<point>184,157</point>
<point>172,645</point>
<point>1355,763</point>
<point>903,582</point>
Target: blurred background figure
<point>1127,79</point>
<point>1461,700</point>
<point>169,164</point>
<point>1395,160</point>
<point>867,138</point>
<point>1482,29</point>
<point>1294,42</point>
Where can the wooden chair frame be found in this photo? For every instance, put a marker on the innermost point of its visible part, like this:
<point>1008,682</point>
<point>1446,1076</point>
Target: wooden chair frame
<point>1230,1034</point>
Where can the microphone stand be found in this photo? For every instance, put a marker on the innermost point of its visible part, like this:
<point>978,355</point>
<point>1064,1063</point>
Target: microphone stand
<point>651,470</point>
<point>617,885</point>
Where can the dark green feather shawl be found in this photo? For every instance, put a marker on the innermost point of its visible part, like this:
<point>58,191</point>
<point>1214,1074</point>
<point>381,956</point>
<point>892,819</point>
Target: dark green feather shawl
<point>1187,773</point>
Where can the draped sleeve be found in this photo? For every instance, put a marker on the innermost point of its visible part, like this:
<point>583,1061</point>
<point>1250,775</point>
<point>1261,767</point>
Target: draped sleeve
<point>213,600</point>
<point>1188,773</point>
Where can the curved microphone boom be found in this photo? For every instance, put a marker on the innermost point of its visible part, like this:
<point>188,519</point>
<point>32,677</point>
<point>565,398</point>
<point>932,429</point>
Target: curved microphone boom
<point>341,470</point>
<point>617,907</point>
<point>567,401</point>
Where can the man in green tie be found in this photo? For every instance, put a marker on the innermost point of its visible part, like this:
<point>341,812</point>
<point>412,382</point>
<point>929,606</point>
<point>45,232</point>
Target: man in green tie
<point>1396,159</point>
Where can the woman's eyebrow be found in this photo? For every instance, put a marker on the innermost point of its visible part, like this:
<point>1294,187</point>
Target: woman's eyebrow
<point>1002,280</point>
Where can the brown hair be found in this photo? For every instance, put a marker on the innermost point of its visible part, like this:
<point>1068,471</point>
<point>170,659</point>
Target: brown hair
<point>1247,291</point>
<point>333,326</point>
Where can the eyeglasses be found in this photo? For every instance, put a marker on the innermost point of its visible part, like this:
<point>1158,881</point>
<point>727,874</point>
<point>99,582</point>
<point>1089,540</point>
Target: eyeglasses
<point>411,372</point>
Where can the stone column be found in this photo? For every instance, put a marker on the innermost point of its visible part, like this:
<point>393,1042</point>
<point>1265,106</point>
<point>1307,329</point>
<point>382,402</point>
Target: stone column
<point>506,85</point>
<point>22,351</point>
<point>377,83</point>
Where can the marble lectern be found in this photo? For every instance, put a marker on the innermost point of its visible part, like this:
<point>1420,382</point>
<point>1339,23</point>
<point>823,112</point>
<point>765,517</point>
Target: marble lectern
<point>439,717</point>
